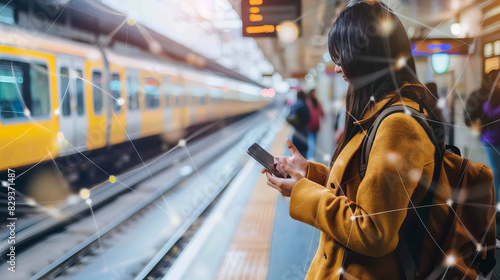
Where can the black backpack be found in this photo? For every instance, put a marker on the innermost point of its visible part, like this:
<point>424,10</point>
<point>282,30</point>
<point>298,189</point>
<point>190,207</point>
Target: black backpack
<point>462,175</point>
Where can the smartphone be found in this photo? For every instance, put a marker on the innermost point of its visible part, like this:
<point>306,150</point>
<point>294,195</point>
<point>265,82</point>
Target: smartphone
<point>264,158</point>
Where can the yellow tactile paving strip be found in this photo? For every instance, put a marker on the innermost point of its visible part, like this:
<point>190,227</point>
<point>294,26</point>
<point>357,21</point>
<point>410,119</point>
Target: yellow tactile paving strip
<point>248,254</point>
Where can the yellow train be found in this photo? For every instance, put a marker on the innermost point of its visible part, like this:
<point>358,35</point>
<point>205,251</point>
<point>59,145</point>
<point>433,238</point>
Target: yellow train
<point>61,97</point>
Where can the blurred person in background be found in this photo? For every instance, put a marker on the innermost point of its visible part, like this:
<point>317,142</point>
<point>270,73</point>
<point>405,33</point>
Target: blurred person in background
<point>316,114</point>
<point>440,105</point>
<point>340,115</point>
<point>482,113</point>
<point>299,119</point>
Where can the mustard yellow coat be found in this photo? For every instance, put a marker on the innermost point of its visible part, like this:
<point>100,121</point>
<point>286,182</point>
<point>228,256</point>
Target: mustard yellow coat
<point>366,216</point>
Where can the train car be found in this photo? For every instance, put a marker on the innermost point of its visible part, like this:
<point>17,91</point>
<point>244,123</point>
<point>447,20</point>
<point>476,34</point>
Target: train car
<point>60,98</point>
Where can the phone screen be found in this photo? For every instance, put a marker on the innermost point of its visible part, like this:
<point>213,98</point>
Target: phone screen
<point>264,158</point>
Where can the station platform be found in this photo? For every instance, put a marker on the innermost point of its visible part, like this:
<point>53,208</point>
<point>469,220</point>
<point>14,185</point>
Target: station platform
<point>250,234</point>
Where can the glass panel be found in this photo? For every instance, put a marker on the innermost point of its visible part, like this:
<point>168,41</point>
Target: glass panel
<point>65,92</point>
<point>97,92</point>
<point>152,93</point>
<point>11,88</point>
<point>115,86</point>
<point>80,94</point>
<point>133,92</point>
<point>39,90</point>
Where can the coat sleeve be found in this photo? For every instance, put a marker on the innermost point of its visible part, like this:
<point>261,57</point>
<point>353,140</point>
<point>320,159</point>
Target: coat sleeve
<point>317,172</point>
<point>370,224</point>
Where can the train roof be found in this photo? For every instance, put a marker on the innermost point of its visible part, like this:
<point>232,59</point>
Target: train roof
<point>93,22</point>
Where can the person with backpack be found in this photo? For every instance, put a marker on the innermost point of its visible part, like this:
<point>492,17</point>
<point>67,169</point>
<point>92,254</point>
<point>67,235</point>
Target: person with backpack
<point>299,119</point>
<point>395,202</point>
<point>482,112</point>
<point>315,113</point>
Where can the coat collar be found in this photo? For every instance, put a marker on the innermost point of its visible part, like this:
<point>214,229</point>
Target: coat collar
<point>394,97</point>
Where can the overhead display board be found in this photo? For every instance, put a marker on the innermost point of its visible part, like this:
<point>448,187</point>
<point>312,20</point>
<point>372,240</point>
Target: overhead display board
<point>441,46</point>
<point>262,17</point>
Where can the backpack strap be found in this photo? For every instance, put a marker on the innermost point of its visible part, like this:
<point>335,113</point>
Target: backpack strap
<point>409,256</point>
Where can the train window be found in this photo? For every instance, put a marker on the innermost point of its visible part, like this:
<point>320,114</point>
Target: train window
<point>97,92</point>
<point>166,90</point>
<point>79,93</point>
<point>39,101</point>
<point>65,91</point>
<point>115,87</point>
<point>24,89</point>
<point>133,92</point>
<point>152,93</point>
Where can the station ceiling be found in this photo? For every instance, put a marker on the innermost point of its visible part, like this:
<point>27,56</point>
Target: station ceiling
<point>296,59</point>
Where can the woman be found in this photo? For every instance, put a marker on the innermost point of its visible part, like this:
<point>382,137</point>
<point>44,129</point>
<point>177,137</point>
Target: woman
<point>361,220</point>
<point>315,113</point>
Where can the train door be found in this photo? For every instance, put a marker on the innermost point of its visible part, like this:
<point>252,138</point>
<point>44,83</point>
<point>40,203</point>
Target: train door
<point>132,101</point>
<point>118,118</point>
<point>66,104</point>
<point>80,102</point>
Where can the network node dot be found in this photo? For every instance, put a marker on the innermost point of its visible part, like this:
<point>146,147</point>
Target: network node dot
<point>353,218</point>
<point>341,270</point>
<point>176,220</point>
<point>30,201</point>
<point>182,142</point>
<point>27,112</point>
<point>392,157</point>
<point>60,136</point>
<point>451,260</point>
<point>112,178</point>
<point>449,202</point>
<point>5,184</point>
<point>400,63</point>
<point>57,112</point>
<point>84,193</point>
<point>498,207</point>
<point>88,201</point>
<point>479,247</point>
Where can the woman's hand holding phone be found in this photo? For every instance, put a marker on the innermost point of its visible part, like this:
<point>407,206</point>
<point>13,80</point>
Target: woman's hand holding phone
<point>295,166</point>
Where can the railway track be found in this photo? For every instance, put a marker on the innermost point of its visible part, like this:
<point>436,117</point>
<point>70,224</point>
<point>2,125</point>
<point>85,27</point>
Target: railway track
<point>31,228</point>
<point>199,160</point>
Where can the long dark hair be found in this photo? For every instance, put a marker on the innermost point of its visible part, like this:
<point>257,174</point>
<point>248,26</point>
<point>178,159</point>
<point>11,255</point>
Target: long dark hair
<point>371,45</point>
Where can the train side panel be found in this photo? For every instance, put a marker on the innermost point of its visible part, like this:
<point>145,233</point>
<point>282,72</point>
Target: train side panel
<point>96,104</point>
<point>28,125</point>
<point>118,116</point>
